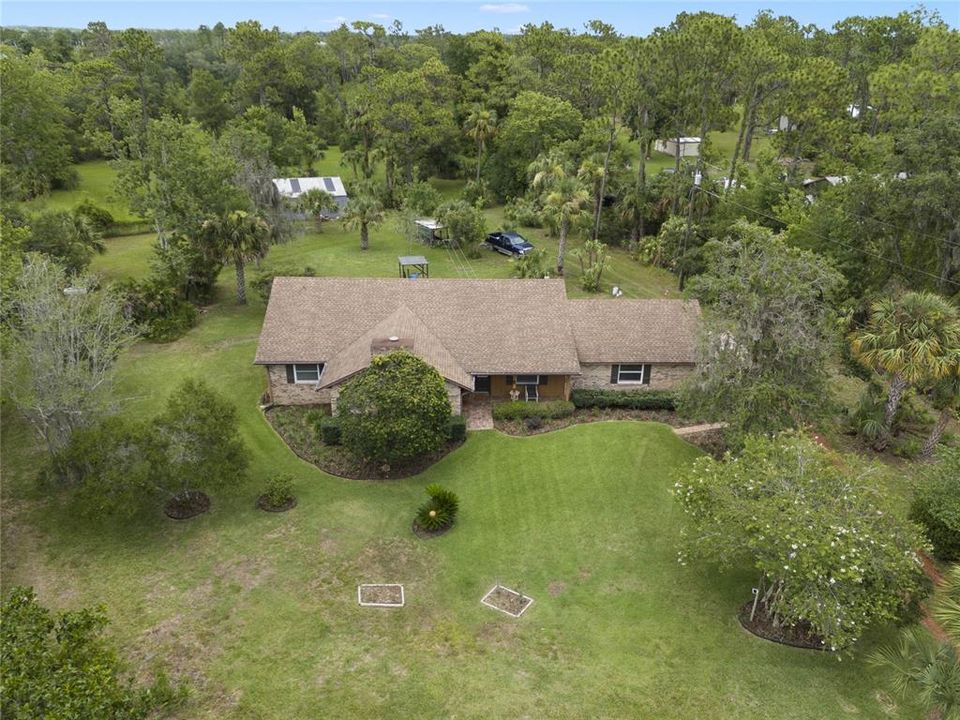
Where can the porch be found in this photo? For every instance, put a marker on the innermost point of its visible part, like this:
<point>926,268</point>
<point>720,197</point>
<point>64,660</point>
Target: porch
<point>532,388</point>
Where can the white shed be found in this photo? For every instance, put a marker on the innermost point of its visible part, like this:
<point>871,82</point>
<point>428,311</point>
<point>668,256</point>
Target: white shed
<point>689,146</point>
<point>295,187</point>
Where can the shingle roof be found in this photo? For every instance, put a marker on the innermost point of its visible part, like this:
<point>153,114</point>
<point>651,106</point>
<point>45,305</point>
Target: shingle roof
<point>465,327</point>
<point>410,333</point>
<point>486,326</point>
<point>620,331</point>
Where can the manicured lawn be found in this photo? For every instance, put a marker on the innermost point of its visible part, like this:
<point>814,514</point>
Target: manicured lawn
<point>258,611</point>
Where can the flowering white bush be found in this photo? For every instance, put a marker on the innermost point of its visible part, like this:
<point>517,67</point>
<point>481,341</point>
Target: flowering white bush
<point>813,524</point>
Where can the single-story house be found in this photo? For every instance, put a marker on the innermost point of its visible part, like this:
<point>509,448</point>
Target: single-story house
<point>499,338</point>
<point>689,146</point>
<point>293,188</point>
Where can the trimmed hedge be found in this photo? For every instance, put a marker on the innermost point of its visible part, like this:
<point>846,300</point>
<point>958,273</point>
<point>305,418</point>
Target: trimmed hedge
<point>330,430</point>
<point>520,410</point>
<point>936,506</point>
<point>457,430</point>
<point>629,399</point>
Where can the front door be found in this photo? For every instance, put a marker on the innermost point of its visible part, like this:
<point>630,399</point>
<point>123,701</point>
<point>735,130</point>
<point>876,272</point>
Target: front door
<point>481,384</point>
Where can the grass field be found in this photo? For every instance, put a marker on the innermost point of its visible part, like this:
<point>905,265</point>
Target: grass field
<point>96,184</point>
<point>258,613</point>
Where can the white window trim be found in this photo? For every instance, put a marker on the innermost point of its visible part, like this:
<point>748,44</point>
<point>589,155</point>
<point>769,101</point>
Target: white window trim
<point>320,367</point>
<point>642,371</point>
<point>516,380</point>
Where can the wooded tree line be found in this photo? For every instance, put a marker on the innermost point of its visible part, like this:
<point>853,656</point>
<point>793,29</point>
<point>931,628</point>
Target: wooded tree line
<point>875,101</point>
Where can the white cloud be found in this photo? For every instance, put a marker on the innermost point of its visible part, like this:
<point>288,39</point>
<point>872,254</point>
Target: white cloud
<point>335,21</point>
<point>381,16</point>
<point>504,8</point>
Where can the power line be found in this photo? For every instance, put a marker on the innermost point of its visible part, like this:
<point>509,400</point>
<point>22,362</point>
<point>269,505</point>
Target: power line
<point>934,238</point>
<point>833,240</point>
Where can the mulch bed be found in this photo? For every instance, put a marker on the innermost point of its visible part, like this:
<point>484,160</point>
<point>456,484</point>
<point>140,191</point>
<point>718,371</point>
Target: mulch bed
<point>800,635</point>
<point>292,427</point>
<point>195,503</point>
<point>386,595</point>
<point>424,534</point>
<point>588,415</point>
<point>263,504</point>
<point>507,600</point>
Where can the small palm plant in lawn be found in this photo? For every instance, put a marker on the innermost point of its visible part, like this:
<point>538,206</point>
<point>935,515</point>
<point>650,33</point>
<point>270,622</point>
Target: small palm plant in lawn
<point>241,237</point>
<point>439,512</point>
<point>912,340</point>
<point>362,211</point>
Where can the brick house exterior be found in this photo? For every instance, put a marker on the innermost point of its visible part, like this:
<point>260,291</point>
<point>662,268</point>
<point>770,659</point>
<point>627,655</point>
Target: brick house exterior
<point>502,338</point>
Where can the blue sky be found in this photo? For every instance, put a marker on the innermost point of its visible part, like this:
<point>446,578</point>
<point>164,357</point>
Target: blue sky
<point>638,17</point>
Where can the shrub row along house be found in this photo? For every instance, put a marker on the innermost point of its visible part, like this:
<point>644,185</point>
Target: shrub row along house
<point>502,338</point>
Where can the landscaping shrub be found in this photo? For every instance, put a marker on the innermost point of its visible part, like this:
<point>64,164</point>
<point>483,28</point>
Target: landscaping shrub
<point>97,216</point>
<point>457,431</point>
<point>395,410</point>
<point>477,193</point>
<point>531,265</point>
<point>330,431</point>
<point>521,213</point>
<point>279,490</point>
<point>262,282</point>
<point>797,514</point>
<point>534,422</point>
<point>628,399</point>
<point>157,308</point>
<point>936,505</point>
<point>520,410</point>
<point>440,511</point>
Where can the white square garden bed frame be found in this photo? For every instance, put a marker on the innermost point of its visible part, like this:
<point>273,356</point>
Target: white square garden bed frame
<point>489,604</point>
<point>360,589</point>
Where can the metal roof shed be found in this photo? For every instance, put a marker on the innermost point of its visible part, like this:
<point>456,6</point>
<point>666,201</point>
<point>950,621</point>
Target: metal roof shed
<point>413,266</point>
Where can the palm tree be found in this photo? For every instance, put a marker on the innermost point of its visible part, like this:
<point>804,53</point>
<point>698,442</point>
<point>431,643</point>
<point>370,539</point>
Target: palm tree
<point>631,209</point>
<point>566,201</point>
<point>362,211</point>
<point>547,169</point>
<point>480,126</point>
<point>316,201</point>
<point>593,175</point>
<point>240,237</point>
<point>913,339</point>
<point>928,666</point>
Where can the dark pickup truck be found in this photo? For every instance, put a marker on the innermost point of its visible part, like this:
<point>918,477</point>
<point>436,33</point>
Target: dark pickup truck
<point>509,243</point>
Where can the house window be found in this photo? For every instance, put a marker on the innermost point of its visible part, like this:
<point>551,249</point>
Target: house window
<point>636,374</point>
<point>307,373</point>
<point>528,380</point>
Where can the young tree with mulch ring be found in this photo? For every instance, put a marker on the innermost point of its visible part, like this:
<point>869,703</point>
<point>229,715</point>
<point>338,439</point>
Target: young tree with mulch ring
<point>832,559</point>
<point>278,496</point>
<point>395,410</point>
<point>200,441</point>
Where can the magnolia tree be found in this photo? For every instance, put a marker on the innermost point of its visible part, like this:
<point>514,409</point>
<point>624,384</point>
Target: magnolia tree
<point>815,527</point>
<point>395,410</point>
